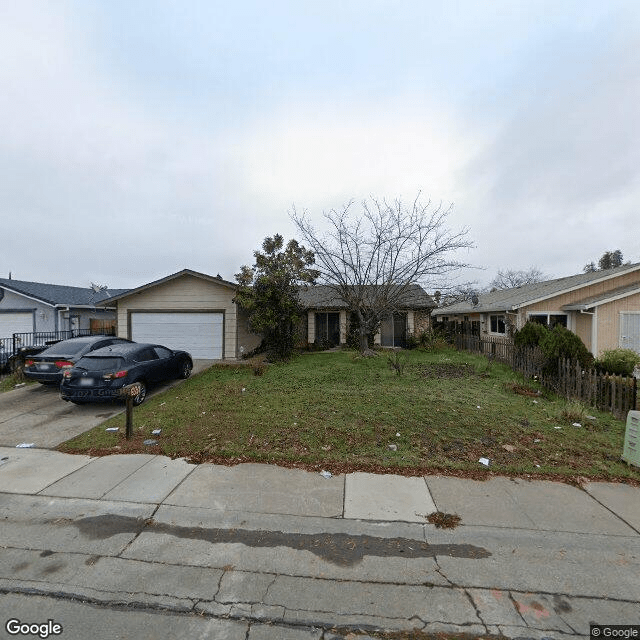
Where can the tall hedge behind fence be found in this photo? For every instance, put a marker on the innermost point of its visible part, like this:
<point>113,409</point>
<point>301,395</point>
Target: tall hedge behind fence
<point>614,394</point>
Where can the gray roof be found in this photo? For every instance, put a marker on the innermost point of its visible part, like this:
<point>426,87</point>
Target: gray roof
<point>512,299</point>
<point>59,294</point>
<point>325,297</point>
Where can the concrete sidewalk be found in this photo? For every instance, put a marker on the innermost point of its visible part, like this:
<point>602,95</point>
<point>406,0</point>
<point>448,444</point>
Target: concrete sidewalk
<point>260,551</point>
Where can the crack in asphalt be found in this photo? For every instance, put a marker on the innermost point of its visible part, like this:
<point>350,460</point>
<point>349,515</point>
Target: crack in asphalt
<point>338,548</point>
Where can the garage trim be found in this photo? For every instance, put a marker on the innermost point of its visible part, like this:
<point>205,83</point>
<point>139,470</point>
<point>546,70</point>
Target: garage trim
<point>130,312</point>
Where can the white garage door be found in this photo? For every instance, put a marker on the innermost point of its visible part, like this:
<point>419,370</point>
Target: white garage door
<point>15,322</point>
<point>198,333</point>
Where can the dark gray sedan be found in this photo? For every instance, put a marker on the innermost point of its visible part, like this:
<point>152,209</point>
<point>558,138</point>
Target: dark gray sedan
<point>47,366</point>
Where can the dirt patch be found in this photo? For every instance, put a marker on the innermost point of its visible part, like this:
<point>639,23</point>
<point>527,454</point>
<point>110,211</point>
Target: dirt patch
<point>446,370</point>
<point>523,390</point>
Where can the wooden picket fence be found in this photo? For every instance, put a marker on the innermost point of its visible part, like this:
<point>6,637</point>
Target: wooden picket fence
<point>607,392</point>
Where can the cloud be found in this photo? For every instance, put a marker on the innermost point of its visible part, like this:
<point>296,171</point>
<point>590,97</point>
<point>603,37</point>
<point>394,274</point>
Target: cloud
<point>321,154</point>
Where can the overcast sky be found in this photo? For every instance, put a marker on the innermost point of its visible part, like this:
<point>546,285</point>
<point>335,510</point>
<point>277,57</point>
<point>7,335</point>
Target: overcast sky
<point>138,138</point>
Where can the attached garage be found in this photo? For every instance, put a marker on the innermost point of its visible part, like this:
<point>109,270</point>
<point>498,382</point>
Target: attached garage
<point>15,322</point>
<point>201,334</point>
<point>186,310</point>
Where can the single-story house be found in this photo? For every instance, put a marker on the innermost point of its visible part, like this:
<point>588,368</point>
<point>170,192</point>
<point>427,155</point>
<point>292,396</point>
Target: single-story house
<point>328,317</point>
<point>186,310</point>
<point>602,307</point>
<point>196,312</point>
<point>28,307</point>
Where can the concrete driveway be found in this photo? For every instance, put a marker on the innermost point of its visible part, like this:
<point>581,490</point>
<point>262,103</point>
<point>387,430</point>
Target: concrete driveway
<point>36,414</point>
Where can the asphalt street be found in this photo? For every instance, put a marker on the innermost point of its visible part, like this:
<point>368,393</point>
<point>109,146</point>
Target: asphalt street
<point>140,546</point>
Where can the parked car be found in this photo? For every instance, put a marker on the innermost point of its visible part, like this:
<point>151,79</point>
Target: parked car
<point>47,366</point>
<point>100,375</point>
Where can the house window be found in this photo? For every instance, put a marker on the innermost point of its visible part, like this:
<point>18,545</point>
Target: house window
<point>559,318</point>
<point>549,319</point>
<point>498,324</point>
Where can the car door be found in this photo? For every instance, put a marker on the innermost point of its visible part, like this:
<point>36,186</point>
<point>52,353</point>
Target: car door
<point>167,362</point>
<point>150,364</point>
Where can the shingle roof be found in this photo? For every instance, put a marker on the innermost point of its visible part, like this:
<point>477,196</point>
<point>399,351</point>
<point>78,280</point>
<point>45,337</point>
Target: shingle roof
<point>512,299</point>
<point>324,297</point>
<point>59,294</point>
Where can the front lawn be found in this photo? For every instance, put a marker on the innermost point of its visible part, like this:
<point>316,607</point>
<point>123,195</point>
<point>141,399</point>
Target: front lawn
<point>340,412</point>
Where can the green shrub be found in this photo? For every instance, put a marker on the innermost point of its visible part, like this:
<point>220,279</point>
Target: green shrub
<point>620,362</point>
<point>562,343</point>
<point>530,335</point>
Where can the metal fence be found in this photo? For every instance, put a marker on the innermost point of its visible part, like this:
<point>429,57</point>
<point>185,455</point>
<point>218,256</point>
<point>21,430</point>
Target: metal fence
<point>12,345</point>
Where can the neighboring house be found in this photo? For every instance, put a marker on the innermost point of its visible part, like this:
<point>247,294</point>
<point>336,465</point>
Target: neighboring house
<point>27,307</point>
<point>328,317</point>
<point>602,307</point>
<point>186,310</point>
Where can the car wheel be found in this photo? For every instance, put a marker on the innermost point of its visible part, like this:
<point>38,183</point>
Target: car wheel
<point>185,369</point>
<point>139,399</point>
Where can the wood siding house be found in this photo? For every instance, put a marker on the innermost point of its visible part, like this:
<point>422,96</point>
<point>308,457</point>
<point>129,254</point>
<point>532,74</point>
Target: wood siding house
<point>602,307</point>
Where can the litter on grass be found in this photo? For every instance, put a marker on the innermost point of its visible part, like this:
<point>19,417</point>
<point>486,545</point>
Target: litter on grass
<point>590,417</point>
<point>150,442</point>
<point>156,432</point>
<point>576,424</point>
<point>25,445</point>
<point>508,447</point>
<point>326,474</point>
<point>112,428</point>
<point>557,427</point>
<point>484,461</point>
<point>393,447</point>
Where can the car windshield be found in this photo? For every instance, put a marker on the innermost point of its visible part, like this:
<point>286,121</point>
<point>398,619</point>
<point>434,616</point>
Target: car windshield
<point>93,363</point>
<point>66,348</point>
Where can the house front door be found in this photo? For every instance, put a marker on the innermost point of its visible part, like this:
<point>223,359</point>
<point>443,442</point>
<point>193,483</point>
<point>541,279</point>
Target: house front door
<point>393,330</point>
<point>328,329</point>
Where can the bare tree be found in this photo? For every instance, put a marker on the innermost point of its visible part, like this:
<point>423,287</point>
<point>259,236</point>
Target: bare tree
<point>371,258</point>
<point>510,278</point>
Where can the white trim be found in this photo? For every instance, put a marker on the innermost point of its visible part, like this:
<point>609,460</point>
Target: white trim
<point>567,314</point>
<point>24,295</point>
<point>594,333</point>
<point>504,322</point>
